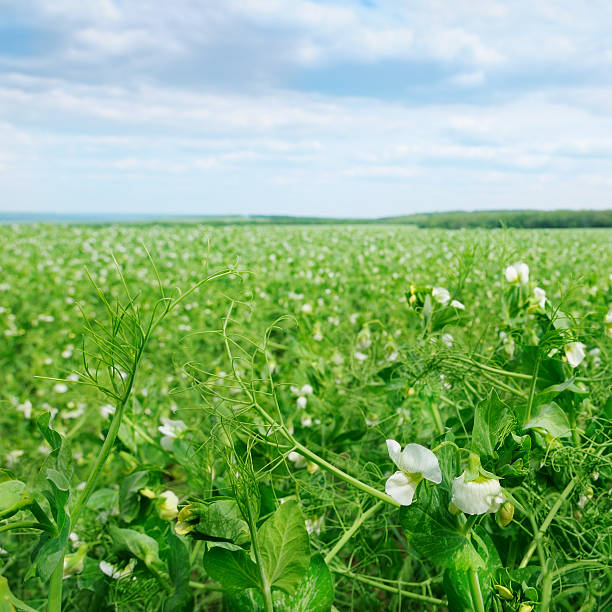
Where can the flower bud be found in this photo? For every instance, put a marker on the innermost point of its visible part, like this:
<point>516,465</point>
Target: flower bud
<point>505,514</point>
<point>186,520</point>
<point>504,592</point>
<point>525,608</point>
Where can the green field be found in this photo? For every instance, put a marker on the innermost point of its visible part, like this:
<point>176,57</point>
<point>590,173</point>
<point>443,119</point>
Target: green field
<point>255,372</point>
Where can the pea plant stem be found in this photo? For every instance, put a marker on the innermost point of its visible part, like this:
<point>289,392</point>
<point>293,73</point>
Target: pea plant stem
<point>548,520</point>
<point>389,587</point>
<point>475,591</point>
<point>350,532</point>
<point>532,389</point>
<point>265,584</point>
<point>283,431</point>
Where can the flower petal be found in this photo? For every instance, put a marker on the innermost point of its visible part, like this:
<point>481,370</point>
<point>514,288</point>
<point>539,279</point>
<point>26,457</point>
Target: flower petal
<point>478,496</point>
<point>416,459</point>
<point>395,450</point>
<point>401,488</point>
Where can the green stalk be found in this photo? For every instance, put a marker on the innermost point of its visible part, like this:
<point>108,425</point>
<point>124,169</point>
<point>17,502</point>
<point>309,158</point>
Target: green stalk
<point>27,525</point>
<point>105,451</point>
<point>475,591</point>
<point>391,589</point>
<point>265,585</point>
<point>532,389</point>
<point>349,533</point>
<point>54,603</point>
<point>282,430</point>
<point>436,417</point>
<point>55,588</point>
<point>548,520</point>
<point>337,471</point>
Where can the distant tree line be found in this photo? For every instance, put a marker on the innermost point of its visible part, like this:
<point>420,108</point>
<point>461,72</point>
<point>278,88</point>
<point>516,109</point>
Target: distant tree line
<point>517,218</point>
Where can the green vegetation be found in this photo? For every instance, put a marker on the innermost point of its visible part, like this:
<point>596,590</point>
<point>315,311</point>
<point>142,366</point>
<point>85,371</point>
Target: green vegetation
<point>305,418</point>
<point>526,219</point>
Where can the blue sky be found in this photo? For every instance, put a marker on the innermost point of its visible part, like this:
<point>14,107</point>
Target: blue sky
<point>304,107</point>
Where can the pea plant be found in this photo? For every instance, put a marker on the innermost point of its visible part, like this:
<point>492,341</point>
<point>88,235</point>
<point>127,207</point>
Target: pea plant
<point>431,469</point>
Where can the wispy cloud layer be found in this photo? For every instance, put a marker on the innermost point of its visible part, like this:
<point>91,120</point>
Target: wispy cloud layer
<point>292,106</point>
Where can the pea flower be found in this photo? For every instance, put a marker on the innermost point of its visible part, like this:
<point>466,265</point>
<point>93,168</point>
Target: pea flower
<point>113,572</point>
<point>479,496</point>
<point>169,507</point>
<point>574,352</point>
<point>608,323</point>
<point>441,295</point>
<point>539,295</point>
<point>415,462</point>
<point>517,272</point>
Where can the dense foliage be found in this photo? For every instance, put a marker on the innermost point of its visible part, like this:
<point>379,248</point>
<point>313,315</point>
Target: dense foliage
<point>203,418</point>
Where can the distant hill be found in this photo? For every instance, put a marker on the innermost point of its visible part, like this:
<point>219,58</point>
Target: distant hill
<point>448,220</point>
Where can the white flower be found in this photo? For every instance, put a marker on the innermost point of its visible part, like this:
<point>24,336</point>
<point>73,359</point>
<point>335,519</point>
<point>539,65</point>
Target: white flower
<point>372,420</point>
<point>448,339</point>
<point>574,352</point>
<point>306,420</point>
<point>360,356</point>
<point>301,402</point>
<point>306,390</point>
<point>110,570</point>
<point>364,339</point>
<point>314,525</point>
<point>12,457</point>
<point>306,308</point>
<point>169,508</point>
<point>60,388</point>
<point>479,496</point>
<point>299,461</point>
<point>518,272</point>
<point>415,462</point>
<point>539,295</point>
<point>26,408</point>
<point>457,304</point>
<point>170,428</point>
<point>608,323</point>
<point>106,410</point>
<point>441,295</point>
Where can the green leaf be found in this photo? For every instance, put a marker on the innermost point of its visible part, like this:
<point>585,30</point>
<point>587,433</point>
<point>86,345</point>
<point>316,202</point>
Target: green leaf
<point>12,497</point>
<point>129,496</point>
<point>457,586</point>
<point>249,600</point>
<point>141,545</point>
<point>547,395</point>
<point>179,568</point>
<point>492,423</point>
<point>429,531</point>
<point>52,551</point>
<point>58,479</point>
<point>8,601</point>
<point>285,547</point>
<point>552,419</point>
<point>314,593</point>
<point>233,569</point>
<point>221,521</point>
<point>50,435</point>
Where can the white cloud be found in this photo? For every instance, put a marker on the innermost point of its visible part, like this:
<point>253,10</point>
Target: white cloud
<point>470,99</point>
<point>469,79</point>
